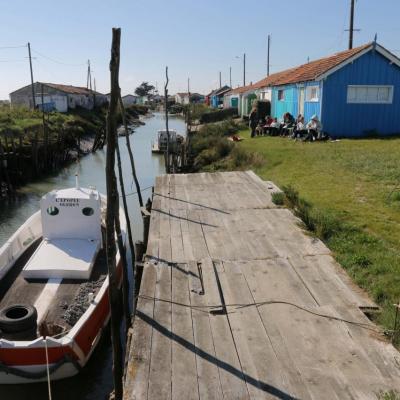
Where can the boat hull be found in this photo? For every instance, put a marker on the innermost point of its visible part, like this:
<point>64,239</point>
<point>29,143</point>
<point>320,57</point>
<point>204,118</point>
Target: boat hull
<point>25,362</point>
<point>68,352</point>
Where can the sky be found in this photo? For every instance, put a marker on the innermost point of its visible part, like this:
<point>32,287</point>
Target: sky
<point>195,39</point>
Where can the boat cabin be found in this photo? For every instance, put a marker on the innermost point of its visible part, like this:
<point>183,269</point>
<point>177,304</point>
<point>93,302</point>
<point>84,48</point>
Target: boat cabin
<point>72,237</point>
<point>163,139</point>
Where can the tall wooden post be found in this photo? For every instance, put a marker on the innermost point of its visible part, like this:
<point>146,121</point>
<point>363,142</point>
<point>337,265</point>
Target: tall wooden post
<point>269,45</point>
<point>112,198</point>
<point>32,85</point>
<point>351,27</point>
<point>166,120</point>
<point>128,145</point>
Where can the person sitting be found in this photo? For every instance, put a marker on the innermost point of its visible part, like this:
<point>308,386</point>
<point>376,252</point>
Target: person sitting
<point>299,128</point>
<point>288,124</point>
<point>275,127</point>
<point>260,128</point>
<point>314,128</point>
<point>268,122</point>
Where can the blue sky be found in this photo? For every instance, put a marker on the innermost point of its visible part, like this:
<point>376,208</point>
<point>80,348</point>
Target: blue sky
<point>196,39</point>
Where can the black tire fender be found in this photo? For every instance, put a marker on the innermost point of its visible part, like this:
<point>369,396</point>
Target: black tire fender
<point>17,318</point>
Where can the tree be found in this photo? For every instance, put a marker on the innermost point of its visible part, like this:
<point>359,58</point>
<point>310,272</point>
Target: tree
<point>144,89</point>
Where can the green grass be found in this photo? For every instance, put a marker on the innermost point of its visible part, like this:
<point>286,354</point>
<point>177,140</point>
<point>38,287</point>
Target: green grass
<point>349,195</point>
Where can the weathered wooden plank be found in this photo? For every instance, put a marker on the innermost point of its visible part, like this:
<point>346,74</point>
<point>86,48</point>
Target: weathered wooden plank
<point>137,374</point>
<point>206,361</point>
<point>184,371</point>
<point>230,371</point>
<point>160,363</point>
<point>263,372</point>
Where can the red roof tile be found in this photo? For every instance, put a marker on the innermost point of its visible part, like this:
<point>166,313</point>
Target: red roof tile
<point>71,89</point>
<point>311,70</point>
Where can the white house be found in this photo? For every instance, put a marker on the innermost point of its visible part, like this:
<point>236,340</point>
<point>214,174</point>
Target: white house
<point>57,97</point>
<point>129,99</point>
<point>182,98</point>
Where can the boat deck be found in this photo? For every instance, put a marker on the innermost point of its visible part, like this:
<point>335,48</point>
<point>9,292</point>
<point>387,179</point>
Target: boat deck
<point>234,302</point>
<point>51,297</point>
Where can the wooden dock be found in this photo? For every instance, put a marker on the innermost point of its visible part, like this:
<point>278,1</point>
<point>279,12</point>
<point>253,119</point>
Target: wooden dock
<point>235,303</point>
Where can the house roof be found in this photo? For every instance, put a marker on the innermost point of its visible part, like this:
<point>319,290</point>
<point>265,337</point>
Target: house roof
<point>182,94</point>
<point>70,89</point>
<point>64,88</point>
<point>314,69</point>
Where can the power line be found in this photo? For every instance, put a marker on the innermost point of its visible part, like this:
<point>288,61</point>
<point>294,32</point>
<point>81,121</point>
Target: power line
<point>12,47</point>
<point>56,61</point>
<point>17,60</point>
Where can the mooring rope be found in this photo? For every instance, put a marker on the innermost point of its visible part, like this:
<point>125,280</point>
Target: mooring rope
<point>47,368</point>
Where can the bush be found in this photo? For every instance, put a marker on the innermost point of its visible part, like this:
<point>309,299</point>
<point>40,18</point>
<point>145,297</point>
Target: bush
<point>278,198</point>
<point>218,115</point>
<point>323,223</point>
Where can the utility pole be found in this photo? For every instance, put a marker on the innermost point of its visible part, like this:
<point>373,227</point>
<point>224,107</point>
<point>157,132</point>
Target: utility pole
<point>89,77</point>
<point>351,28</point>
<point>33,87</point>
<point>230,77</point>
<point>220,84</point>
<point>244,69</point>
<point>269,44</point>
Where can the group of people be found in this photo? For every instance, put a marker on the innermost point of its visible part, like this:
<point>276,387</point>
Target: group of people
<point>288,126</point>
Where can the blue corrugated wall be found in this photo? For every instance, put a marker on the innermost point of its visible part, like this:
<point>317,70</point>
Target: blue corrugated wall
<point>353,120</point>
<point>312,107</point>
<point>289,104</point>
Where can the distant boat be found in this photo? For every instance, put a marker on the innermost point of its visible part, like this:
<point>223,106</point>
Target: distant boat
<point>121,131</point>
<point>160,144</point>
<point>54,287</point>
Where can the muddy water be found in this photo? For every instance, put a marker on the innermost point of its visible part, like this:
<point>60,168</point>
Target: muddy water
<point>95,381</point>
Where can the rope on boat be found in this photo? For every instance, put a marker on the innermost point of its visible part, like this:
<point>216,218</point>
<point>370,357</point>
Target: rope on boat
<point>47,368</point>
<point>40,374</point>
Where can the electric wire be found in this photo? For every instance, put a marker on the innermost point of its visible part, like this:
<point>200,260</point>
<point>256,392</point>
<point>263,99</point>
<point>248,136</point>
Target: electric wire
<point>238,306</point>
<point>57,61</point>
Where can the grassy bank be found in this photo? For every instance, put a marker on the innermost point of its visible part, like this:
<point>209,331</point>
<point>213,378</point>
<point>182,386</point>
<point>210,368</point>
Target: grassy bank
<point>351,195</point>
<point>33,144</point>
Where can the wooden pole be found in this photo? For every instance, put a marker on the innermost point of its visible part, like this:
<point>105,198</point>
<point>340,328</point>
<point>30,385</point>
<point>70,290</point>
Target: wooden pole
<point>128,145</point>
<point>244,69</point>
<point>112,198</point>
<point>131,245</point>
<point>351,27</point>
<point>269,45</point>
<point>166,120</point>
<point>32,85</point>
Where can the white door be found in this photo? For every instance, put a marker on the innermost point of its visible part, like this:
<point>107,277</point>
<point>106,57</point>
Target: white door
<point>301,101</point>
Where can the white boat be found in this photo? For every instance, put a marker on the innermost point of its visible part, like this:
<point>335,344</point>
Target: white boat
<point>54,288</point>
<point>160,145</point>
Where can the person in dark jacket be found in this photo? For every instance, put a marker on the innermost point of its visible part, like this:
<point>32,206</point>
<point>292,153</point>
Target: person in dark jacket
<point>253,122</point>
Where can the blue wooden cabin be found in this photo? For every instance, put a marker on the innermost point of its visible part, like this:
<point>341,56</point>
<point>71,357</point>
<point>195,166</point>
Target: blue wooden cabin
<point>217,96</point>
<point>354,93</point>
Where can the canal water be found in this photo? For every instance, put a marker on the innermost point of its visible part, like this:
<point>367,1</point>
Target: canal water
<point>95,381</point>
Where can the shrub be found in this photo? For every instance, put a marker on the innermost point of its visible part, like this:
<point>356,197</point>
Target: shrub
<point>244,159</point>
<point>278,198</point>
<point>218,115</point>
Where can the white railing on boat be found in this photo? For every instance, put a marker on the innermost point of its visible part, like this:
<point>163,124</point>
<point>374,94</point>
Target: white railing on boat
<point>30,231</point>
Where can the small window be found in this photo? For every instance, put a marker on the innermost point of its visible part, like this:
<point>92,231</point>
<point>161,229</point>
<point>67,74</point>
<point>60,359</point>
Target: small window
<point>281,95</point>
<point>53,211</point>
<point>88,211</point>
<point>312,93</point>
<point>369,94</point>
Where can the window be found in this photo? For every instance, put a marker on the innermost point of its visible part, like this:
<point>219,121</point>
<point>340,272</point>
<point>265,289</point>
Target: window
<point>312,93</point>
<point>88,211</point>
<point>369,94</point>
<point>281,95</point>
<point>52,211</point>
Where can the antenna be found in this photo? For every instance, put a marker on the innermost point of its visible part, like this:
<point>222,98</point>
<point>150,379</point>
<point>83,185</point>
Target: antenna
<point>77,181</point>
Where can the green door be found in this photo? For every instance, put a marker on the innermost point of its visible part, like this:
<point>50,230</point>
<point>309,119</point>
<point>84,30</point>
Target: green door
<point>250,100</point>
<point>234,102</point>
